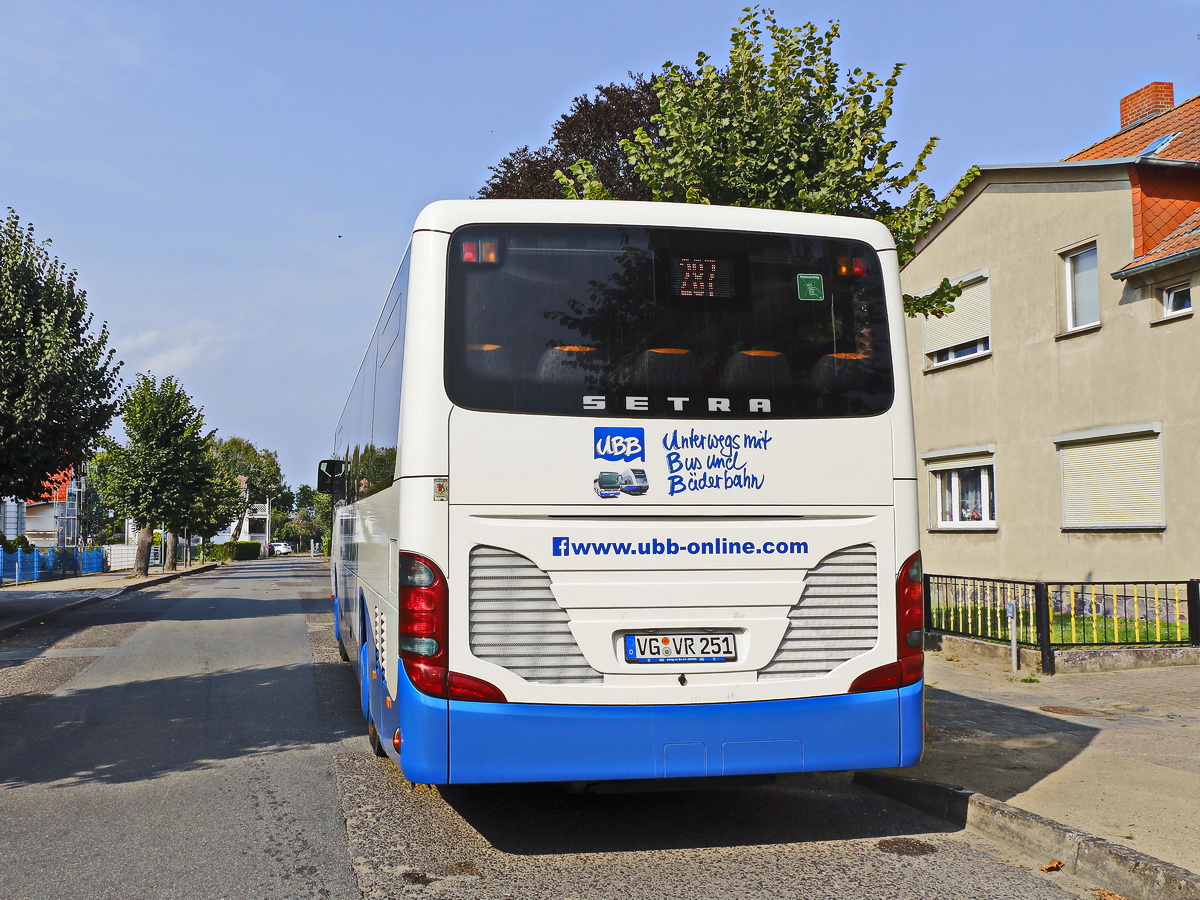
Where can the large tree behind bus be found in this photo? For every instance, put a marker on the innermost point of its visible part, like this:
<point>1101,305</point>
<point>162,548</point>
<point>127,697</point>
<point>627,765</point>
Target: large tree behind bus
<point>58,379</point>
<point>784,131</point>
<point>592,129</point>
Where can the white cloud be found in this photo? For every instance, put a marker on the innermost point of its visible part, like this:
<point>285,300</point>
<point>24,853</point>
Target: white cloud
<point>51,55</point>
<point>189,351</point>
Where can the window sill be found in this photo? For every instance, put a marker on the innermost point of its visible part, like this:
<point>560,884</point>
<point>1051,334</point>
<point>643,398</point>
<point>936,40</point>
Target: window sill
<point>963,529</point>
<point>1171,317</point>
<point>1094,528</point>
<point>1076,332</point>
<point>961,361</point>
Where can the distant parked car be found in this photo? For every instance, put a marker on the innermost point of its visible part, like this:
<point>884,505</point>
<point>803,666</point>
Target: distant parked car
<point>281,548</point>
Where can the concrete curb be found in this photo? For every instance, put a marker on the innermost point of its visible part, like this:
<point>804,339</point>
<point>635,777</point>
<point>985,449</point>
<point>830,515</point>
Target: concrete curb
<point>1093,859</point>
<point>11,628</point>
<point>1078,659</point>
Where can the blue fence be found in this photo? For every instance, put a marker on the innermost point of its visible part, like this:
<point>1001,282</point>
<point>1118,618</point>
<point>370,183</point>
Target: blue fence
<point>44,565</point>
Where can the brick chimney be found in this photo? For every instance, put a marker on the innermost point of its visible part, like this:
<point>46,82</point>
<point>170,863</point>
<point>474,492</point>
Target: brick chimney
<point>1156,97</point>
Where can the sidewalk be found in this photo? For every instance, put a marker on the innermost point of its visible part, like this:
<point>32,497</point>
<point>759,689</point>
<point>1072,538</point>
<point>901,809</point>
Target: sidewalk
<point>28,603</point>
<point>1110,754</point>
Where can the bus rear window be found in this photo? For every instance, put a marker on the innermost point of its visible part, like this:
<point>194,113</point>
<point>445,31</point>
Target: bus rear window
<point>644,322</point>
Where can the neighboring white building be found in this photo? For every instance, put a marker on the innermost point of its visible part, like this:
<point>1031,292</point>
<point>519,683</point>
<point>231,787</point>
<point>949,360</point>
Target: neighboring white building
<point>254,526</point>
<point>12,518</point>
<point>1057,414</point>
<point>54,521</point>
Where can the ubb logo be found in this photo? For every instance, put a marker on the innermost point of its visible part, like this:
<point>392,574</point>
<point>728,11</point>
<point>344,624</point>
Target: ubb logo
<point>620,444</point>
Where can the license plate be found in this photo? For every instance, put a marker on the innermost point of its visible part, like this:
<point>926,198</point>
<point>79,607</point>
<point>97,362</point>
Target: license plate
<point>681,647</point>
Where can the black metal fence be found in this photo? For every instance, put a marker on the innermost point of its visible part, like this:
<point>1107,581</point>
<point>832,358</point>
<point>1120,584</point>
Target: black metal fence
<point>1046,616</point>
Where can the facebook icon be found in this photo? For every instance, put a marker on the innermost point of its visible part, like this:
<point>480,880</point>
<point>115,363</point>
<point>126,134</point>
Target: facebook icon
<point>561,546</point>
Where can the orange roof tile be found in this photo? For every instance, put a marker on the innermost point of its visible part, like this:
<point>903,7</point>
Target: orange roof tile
<point>55,488</point>
<point>1185,237</point>
<point>1134,140</point>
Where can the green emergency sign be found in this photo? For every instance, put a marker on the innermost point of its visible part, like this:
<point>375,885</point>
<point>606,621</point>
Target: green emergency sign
<point>810,287</point>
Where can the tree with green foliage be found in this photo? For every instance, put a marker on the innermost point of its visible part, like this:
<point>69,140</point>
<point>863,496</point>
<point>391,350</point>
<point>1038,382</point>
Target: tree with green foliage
<point>323,513</point>
<point>163,467</point>
<point>305,497</point>
<point>303,527</point>
<point>58,380</point>
<point>216,506</point>
<point>20,542</point>
<point>257,472</point>
<point>591,129</point>
<point>783,131</point>
<point>283,507</point>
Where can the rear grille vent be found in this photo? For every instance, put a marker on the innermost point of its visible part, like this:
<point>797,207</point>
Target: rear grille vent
<point>836,618</point>
<point>515,622</point>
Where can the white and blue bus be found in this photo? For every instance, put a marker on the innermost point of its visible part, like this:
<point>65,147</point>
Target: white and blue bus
<point>753,605</point>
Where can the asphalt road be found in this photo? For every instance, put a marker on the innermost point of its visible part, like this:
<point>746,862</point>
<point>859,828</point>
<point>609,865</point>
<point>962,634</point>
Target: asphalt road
<point>201,740</point>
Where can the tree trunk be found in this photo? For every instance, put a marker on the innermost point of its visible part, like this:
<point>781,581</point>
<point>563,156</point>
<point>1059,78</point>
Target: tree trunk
<point>141,561</point>
<point>172,549</point>
<point>236,535</point>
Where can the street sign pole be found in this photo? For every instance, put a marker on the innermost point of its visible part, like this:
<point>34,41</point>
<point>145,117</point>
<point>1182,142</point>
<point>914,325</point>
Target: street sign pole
<point>1010,608</point>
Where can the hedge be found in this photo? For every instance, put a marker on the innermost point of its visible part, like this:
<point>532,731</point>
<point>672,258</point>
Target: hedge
<point>232,551</point>
<point>240,550</point>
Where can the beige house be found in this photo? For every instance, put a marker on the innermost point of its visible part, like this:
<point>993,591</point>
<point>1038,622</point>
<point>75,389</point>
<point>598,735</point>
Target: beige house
<point>1058,408</point>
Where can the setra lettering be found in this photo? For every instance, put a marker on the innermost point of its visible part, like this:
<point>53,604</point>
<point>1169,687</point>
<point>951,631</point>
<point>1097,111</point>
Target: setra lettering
<point>599,403</point>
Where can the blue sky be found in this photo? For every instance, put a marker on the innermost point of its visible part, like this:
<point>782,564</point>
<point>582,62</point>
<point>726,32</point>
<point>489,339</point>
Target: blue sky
<point>234,180</point>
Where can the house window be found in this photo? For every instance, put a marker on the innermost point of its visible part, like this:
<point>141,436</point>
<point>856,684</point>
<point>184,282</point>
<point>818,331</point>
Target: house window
<point>1177,299</point>
<point>1112,478</point>
<point>966,331</point>
<point>970,348</point>
<point>1083,288</point>
<point>962,488</point>
<point>965,497</point>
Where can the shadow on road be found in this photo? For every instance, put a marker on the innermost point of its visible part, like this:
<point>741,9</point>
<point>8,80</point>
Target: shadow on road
<point>993,748</point>
<point>140,730</point>
<point>988,747</point>
<point>538,820</point>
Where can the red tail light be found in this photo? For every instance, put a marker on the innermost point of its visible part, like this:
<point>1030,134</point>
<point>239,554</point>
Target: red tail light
<point>851,266</point>
<point>910,634</point>
<point>424,635</point>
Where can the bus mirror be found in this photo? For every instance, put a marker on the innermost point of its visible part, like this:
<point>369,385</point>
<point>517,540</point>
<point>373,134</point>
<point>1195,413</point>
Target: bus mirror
<point>331,476</point>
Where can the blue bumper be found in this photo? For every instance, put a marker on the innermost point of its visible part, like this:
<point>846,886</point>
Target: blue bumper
<point>463,743</point>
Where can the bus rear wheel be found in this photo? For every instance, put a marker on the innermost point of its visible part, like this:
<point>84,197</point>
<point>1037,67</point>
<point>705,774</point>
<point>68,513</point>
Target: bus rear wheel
<point>374,741</point>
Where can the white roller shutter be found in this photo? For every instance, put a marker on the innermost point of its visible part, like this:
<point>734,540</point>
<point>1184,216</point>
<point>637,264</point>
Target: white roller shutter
<point>1116,482</point>
<point>971,320</point>
<point>961,462</point>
